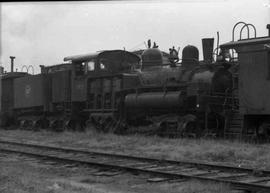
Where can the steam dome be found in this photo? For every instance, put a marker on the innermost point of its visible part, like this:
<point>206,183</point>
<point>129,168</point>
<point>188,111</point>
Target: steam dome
<point>151,57</point>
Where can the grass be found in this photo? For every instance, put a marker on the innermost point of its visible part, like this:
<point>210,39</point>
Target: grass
<point>219,151</point>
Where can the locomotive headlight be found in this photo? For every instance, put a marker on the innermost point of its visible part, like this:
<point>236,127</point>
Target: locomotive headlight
<point>219,58</point>
<point>228,59</point>
<point>198,105</point>
<point>227,56</point>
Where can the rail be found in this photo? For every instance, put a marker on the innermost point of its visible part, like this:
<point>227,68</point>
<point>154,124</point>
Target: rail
<point>245,178</point>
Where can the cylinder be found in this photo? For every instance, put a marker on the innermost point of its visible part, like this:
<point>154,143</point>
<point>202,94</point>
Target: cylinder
<point>208,45</point>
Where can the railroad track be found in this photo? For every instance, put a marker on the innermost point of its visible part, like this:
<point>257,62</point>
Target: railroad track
<point>244,178</point>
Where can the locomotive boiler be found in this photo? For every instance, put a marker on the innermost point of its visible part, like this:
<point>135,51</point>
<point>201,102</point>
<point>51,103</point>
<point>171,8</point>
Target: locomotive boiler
<point>180,98</point>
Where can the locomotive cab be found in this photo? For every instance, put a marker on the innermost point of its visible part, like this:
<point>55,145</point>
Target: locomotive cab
<point>109,61</point>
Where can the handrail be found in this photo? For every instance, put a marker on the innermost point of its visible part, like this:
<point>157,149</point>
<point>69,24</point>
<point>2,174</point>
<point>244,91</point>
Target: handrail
<point>246,25</point>
<point>28,68</point>
<point>234,27</point>
<point>233,32</point>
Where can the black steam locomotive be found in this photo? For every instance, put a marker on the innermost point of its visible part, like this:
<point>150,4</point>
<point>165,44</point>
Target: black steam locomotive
<point>116,91</point>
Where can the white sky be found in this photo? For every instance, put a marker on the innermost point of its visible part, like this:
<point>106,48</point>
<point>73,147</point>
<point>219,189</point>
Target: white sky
<point>43,33</point>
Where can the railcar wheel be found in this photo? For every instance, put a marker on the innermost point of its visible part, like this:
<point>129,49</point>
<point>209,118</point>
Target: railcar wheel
<point>4,120</point>
<point>263,132</point>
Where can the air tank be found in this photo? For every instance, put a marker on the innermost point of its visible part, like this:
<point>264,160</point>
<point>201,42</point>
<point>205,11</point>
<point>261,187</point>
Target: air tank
<point>190,56</point>
<point>151,57</point>
<point>154,100</point>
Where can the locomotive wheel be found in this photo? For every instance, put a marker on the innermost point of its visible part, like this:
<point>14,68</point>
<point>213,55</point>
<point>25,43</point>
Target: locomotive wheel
<point>45,124</point>
<point>53,124</point>
<point>60,125</point>
<point>98,124</point>
<point>70,125</point>
<point>171,129</point>
<point>162,130</point>
<point>56,125</point>
<point>108,125</point>
<point>93,124</point>
<point>36,125</point>
<point>22,124</point>
<point>80,126</point>
<point>25,124</point>
<point>191,130</point>
<point>90,126</point>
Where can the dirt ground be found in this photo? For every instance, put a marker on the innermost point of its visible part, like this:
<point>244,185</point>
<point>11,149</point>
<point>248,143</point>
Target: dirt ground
<point>28,175</point>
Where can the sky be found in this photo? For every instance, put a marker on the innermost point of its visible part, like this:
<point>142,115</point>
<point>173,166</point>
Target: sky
<point>43,33</point>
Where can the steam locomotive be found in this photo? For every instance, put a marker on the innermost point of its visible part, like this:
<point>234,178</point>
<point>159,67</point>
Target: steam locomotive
<point>117,91</point>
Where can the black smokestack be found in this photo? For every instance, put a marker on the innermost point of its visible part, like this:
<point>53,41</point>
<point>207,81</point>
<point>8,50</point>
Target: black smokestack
<point>12,63</point>
<point>268,27</point>
<point>208,45</point>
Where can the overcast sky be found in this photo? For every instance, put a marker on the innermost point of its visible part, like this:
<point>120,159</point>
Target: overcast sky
<point>43,33</point>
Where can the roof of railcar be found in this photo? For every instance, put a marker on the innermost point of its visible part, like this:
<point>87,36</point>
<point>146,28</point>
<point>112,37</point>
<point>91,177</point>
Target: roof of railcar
<point>12,75</point>
<point>250,41</point>
<point>106,53</point>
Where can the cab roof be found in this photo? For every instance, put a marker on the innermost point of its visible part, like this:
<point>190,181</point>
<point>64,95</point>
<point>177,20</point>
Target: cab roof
<point>108,54</point>
<point>245,42</point>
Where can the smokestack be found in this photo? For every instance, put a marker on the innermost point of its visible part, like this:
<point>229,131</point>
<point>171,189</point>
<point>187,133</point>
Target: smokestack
<point>12,63</point>
<point>1,70</point>
<point>208,45</point>
<point>268,27</point>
